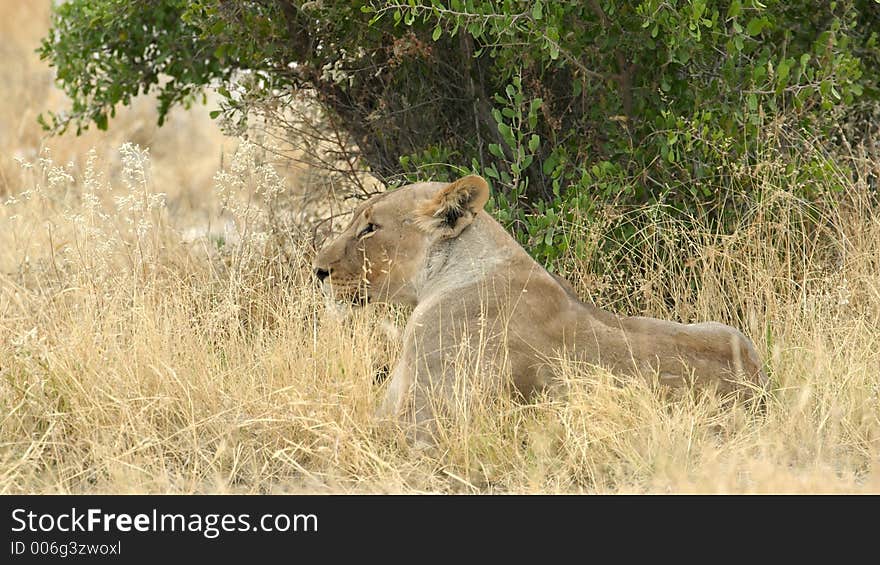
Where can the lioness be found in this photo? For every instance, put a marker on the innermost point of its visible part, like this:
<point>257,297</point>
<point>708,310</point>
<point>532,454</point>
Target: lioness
<point>432,246</point>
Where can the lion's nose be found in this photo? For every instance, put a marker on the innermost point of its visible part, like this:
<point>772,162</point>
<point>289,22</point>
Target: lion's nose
<point>322,274</point>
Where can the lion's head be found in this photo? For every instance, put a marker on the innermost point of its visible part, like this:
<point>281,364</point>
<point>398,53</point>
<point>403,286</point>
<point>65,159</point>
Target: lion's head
<point>382,252</point>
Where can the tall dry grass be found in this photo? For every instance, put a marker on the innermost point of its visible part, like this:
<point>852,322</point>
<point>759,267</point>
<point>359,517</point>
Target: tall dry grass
<point>187,150</point>
<point>140,352</point>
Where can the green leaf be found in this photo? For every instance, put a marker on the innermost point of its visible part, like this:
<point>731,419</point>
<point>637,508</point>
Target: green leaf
<point>755,26</point>
<point>783,69</point>
<point>738,43</point>
<point>534,142</point>
<point>437,33</point>
<point>735,9</point>
<point>537,11</point>
<point>495,150</point>
<point>506,133</point>
<point>550,164</point>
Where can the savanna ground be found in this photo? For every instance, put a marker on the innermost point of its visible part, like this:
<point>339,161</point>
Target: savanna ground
<point>160,332</point>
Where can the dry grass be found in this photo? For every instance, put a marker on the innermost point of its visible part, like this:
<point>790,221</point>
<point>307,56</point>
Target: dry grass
<point>135,357</point>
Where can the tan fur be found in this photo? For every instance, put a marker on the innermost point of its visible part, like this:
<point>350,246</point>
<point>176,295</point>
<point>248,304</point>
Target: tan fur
<point>476,292</point>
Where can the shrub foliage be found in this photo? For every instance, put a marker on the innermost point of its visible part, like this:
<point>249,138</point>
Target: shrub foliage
<point>561,104</point>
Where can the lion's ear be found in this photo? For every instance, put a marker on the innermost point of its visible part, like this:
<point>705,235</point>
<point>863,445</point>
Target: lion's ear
<point>455,206</point>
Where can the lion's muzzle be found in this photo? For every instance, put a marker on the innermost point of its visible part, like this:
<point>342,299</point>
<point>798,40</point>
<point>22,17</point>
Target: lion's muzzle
<point>321,274</point>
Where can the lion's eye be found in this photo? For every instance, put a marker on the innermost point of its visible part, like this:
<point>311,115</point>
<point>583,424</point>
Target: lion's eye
<point>370,228</point>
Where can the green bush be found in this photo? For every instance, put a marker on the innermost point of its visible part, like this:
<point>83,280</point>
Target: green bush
<point>560,104</point>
